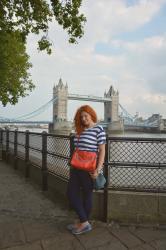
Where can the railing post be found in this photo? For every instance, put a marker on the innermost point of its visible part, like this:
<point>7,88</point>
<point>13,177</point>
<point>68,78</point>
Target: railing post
<point>7,145</point>
<point>71,144</point>
<point>44,162</point>
<point>27,168</point>
<point>107,176</point>
<point>1,142</point>
<point>15,148</point>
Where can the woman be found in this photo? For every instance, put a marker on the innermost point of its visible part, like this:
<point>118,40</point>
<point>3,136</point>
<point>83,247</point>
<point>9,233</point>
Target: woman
<point>91,138</point>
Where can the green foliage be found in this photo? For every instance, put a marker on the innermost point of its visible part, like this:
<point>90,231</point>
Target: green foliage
<point>44,44</point>
<point>67,15</point>
<point>18,18</point>
<point>33,16</point>
<point>14,66</point>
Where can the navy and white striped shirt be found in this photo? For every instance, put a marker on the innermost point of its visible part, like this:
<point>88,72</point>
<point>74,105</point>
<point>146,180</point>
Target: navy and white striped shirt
<point>90,139</point>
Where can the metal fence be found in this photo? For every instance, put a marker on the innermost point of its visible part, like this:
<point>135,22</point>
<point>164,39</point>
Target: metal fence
<point>49,152</point>
<point>137,164</point>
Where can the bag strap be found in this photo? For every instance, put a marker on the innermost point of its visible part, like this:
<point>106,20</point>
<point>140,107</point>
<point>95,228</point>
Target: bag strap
<point>78,138</point>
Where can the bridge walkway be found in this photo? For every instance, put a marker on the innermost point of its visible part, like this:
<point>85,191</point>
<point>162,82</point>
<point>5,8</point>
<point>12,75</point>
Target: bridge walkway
<point>31,221</point>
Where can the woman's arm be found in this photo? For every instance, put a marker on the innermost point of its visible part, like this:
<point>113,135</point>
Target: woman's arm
<point>101,156</point>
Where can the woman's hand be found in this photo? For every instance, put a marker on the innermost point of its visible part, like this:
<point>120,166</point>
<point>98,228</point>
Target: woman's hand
<point>94,174</point>
<point>101,155</point>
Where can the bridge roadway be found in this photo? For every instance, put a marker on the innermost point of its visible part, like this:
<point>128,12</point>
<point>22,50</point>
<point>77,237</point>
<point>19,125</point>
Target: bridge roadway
<point>88,98</point>
<point>29,220</point>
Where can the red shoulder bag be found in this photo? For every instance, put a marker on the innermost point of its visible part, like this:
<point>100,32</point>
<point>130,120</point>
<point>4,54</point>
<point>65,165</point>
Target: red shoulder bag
<point>84,160</point>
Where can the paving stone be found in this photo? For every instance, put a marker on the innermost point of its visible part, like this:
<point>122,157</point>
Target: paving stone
<point>159,244</point>
<point>33,246</point>
<point>35,230</point>
<point>113,245</point>
<point>96,238</point>
<point>22,199</point>
<point>143,247</point>
<point>4,218</point>
<point>62,241</point>
<point>149,234</point>
<point>11,234</point>
<point>126,237</point>
<point>95,224</point>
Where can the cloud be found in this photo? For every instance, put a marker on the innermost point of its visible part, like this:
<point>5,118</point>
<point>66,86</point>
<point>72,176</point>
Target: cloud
<point>147,61</point>
<point>106,19</point>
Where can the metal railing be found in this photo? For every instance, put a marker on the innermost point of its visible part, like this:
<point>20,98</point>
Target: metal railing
<point>48,152</point>
<point>137,164</point>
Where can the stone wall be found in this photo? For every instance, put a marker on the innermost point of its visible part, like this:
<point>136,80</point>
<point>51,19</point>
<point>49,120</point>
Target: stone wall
<point>137,207</point>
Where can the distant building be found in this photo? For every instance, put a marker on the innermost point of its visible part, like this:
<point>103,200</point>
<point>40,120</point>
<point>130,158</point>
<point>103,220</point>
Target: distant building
<point>163,125</point>
<point>154,117</point>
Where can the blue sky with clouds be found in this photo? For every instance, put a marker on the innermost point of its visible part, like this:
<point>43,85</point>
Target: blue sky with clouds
<point>124,45</point>
<point>153,28</point>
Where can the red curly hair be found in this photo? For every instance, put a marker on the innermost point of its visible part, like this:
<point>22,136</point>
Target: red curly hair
<point>77,118</point>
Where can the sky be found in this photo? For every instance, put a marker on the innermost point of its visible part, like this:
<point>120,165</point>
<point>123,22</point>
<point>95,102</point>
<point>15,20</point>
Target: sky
<point>124,46</point>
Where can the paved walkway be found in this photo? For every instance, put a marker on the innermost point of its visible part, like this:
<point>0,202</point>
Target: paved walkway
<point>30,221</point>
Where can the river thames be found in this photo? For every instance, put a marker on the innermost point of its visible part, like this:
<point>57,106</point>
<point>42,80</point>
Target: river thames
<point>124,134</point>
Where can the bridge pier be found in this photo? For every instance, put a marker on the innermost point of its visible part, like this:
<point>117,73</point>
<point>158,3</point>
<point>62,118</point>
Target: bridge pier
<point>116,127</point>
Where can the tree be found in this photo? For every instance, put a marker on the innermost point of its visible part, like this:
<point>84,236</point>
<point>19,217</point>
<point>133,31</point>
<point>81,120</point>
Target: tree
<point>18,18</point>
<point>14,77</point>
<point>33,16</point>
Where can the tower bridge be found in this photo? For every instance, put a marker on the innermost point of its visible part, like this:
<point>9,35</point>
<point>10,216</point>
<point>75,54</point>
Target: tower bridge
<point>60,93</point>
<point>113,119</point>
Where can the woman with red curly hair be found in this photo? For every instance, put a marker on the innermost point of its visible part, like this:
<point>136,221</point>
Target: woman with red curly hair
<point>89,137</point>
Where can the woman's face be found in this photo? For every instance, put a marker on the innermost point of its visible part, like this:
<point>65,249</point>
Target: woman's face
<point>86,119</point>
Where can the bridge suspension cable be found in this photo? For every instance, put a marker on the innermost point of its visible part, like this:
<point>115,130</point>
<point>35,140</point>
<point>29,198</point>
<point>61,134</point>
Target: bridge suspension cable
<point>31,114</point>
<point>126,113</point>
<point>37,111</point>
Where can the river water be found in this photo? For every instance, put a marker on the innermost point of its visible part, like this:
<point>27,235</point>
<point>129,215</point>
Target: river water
<point>141,135</point>
<point>124,134</point>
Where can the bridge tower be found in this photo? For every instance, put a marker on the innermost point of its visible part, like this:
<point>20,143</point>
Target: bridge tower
<point>111,112</point>
<point>60,92</point>
<point>111,108</point>
<point>60,124</point>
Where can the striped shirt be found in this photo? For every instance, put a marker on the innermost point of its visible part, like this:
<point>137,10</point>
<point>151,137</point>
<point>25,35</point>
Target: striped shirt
<point>90,139</point>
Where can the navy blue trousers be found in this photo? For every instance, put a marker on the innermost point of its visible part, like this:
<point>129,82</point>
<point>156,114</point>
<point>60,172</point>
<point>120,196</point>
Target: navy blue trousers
<point>79,191</point>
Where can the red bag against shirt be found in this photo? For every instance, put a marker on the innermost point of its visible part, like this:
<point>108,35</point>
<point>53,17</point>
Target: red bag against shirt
<point>84,160</point>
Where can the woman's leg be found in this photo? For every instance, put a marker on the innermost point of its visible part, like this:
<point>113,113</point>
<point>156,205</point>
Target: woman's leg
<point>86,183</point>
<point>87,189</point>
<point>73,193</point>
<point>87,202</point>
